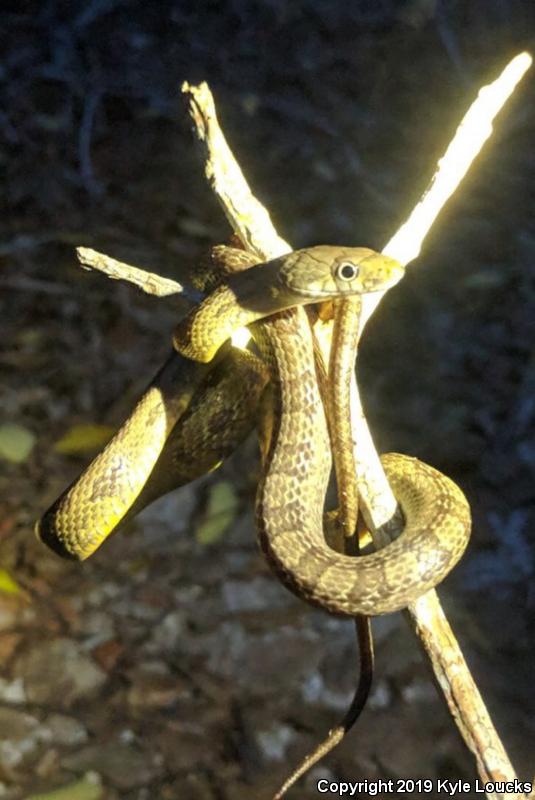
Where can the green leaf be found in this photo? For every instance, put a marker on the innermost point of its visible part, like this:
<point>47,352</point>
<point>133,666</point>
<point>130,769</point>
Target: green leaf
<point>8,585</point>
<point>83,439</point>
<point>16,442</point>
<point>87,789</point>
<point>220,511</point>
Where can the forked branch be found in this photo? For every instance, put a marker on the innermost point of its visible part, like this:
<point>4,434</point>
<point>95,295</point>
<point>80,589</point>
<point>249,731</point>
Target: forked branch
<point>252,223</point>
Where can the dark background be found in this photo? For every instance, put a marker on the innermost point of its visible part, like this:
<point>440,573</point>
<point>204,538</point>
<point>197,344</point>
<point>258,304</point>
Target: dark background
<point>176,669</point>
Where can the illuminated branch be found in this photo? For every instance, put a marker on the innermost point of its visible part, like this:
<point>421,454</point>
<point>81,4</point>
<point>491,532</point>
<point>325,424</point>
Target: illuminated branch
<point>247,217</point>
<point>426,615</point>
<point>252,223</point>
<point>470,136</point>
<point>475,128</point>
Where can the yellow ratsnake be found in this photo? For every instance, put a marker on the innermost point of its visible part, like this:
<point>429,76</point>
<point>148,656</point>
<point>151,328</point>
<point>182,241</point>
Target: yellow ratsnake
<point>193,414</point>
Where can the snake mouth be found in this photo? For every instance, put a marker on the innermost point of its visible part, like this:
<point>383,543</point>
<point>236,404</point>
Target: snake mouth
<point>313,296</point>
<point>317,294</point>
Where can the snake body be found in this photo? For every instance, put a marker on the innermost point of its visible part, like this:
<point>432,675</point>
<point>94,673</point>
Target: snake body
<point>188,420</point>
<point>291,493</point>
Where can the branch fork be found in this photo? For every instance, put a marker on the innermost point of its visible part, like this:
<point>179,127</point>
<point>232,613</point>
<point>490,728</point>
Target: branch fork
<point>252,224</point>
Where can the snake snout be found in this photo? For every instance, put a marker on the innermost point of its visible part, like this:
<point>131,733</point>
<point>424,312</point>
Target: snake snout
<point>378,273</point>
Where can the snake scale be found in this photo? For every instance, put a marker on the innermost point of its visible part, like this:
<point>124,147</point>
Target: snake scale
<point>297,461</point>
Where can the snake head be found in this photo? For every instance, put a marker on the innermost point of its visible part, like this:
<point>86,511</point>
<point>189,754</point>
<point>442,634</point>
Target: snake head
<point>326,271</point>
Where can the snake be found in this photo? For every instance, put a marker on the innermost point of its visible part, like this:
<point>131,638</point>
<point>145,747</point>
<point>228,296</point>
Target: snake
<point>270,298</point>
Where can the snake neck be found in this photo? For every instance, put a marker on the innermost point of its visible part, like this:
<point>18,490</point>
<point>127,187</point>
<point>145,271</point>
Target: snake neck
<point>291,494</point>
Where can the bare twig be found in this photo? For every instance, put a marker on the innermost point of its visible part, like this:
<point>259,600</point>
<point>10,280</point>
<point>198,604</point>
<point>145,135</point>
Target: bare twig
<point>475,128</point>
<point>252,223</point>
<point>246,215</point>
<point>460,692</point>
<point>118,271</point>
<point>426,615</point>
<point>472,133</point>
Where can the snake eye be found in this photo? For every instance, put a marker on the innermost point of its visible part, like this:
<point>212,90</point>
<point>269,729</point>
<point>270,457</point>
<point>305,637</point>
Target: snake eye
<point>346,271</point>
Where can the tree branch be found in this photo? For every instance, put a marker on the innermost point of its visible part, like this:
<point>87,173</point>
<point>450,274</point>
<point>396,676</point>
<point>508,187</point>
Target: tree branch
<point>252,223</point>
<point>148,282</point>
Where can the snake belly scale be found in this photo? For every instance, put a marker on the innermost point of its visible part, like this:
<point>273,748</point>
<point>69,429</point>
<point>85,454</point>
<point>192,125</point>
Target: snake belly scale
<point>292,490</point>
